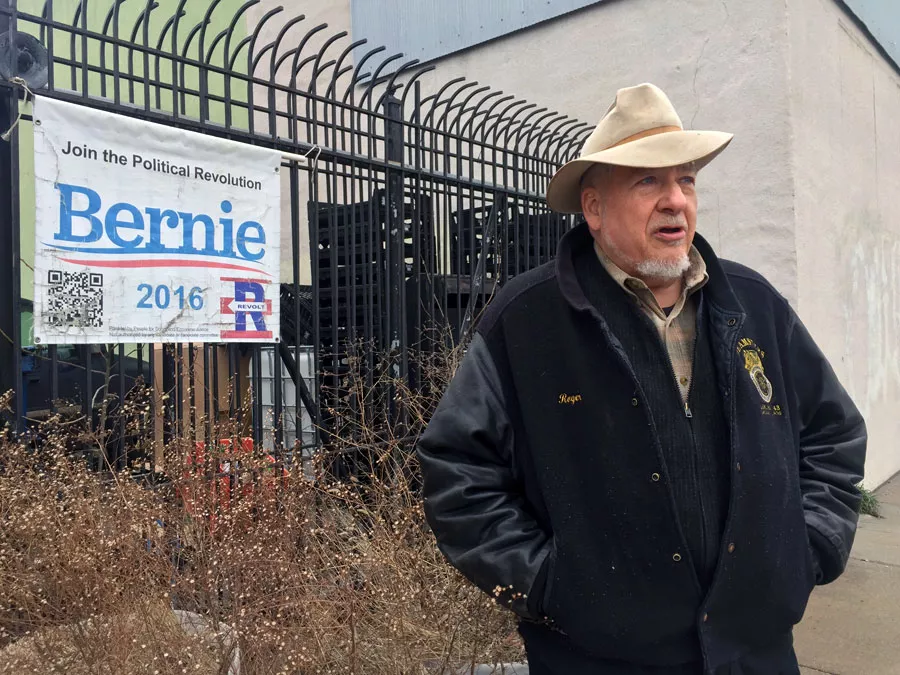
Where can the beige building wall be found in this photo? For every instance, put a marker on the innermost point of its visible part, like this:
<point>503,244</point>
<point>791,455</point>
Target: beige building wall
<point>845,107</point>
<point>803,192</point>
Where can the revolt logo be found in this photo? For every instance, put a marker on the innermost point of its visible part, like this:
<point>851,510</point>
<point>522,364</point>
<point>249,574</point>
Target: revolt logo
<point>249,307</point>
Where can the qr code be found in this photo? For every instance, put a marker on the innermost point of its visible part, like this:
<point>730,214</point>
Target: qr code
<point>75,299</point>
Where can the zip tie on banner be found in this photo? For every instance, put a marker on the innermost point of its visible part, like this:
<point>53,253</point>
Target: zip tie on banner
<point>22,83</point>
<point>315,160</point>
<point>305,156</point>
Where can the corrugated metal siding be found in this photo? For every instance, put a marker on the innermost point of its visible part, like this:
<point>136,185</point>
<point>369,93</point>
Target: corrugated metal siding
<point>882,18</point>
<point>430,29</point>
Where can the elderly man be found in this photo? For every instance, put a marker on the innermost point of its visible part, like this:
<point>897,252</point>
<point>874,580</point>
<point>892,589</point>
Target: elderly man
<point>644,453</point>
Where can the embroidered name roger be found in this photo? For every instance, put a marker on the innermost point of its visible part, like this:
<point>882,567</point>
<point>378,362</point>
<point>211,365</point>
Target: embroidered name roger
<point>569,399</point>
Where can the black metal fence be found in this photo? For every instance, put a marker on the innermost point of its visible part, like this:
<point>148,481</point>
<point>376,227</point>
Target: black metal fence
<point>413,209</point>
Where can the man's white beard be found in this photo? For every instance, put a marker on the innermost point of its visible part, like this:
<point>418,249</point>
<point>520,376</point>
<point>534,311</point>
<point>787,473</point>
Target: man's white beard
<point>663,270</point>
<point>652,270</point>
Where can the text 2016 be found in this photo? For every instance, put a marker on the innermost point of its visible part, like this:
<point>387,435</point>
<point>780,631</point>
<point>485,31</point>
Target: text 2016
<point>162,296</point>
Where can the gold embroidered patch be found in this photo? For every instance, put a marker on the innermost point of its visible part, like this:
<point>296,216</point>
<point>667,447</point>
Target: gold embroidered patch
<point>753,363</point>
<point>569,399</point>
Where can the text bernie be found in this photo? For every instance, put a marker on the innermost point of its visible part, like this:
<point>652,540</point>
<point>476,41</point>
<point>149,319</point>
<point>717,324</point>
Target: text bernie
<point>132,230</point>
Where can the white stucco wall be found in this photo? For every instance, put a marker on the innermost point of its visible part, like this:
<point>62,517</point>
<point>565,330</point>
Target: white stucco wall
<point>845,107</point>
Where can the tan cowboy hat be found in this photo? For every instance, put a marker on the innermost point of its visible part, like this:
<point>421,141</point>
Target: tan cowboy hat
<point>641,129</point>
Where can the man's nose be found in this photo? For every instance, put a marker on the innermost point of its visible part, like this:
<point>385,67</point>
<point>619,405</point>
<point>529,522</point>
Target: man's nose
<point>673,200</point>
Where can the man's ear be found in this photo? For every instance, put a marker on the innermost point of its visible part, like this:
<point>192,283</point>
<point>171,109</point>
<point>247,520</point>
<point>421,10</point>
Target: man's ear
<point>592,207</point>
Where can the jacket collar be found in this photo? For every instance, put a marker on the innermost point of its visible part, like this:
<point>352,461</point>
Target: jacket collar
<point>718,291</point>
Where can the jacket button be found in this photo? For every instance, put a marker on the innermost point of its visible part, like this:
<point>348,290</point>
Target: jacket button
<point>731,548</point>
<point>738,466</point>
<point>732,322</point>
<point>655,477</point>
<point>705,618</point>
<point>677,557</point>
<point>634,402</point>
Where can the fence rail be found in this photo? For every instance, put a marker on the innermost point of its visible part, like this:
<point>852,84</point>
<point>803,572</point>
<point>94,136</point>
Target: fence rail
<point>417,203</point>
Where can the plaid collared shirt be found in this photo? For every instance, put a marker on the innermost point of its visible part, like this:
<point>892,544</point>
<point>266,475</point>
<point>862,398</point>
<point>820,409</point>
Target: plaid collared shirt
<point>678,330</point>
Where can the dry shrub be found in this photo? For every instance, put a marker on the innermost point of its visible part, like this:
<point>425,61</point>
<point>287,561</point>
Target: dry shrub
<point>273,570</point>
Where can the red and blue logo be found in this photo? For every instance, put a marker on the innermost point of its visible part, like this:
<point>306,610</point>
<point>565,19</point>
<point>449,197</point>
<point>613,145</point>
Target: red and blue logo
<point>249,307</point>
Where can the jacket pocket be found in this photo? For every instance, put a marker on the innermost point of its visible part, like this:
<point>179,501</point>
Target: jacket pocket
<point>814,567</point>
<point>550,580</point>
<point>545,610</point>
<point>810,564</point>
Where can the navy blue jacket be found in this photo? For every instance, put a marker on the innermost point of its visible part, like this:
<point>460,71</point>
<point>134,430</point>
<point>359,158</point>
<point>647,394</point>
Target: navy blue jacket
<point>546,485</point>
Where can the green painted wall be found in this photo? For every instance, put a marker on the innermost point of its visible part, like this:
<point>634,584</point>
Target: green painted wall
<point>133,62</point>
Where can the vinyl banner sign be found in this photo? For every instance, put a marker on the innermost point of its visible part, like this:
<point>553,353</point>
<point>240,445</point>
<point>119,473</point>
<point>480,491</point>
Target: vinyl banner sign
<point>145,233</point>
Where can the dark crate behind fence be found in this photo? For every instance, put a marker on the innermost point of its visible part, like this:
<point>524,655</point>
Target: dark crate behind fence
<point>419,206</point>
